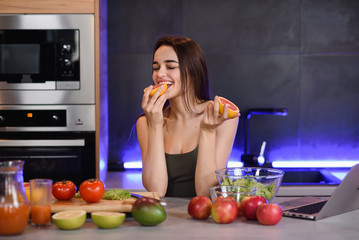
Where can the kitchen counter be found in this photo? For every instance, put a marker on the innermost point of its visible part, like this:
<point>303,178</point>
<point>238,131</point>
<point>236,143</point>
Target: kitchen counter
<point>179,225</point>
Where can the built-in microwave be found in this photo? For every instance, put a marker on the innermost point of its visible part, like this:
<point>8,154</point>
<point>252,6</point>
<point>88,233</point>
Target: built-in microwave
<point>47,59</point>
<point>49,56</point>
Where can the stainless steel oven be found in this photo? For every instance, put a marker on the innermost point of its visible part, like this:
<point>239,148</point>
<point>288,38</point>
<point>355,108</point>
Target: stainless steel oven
<point>56,142</point>
<point>53,155</point>
<point>47,94</point>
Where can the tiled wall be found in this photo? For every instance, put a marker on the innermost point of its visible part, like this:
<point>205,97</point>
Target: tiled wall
<point>299,54</point>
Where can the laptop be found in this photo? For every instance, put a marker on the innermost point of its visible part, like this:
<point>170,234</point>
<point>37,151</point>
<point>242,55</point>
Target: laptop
<point>345,198</point>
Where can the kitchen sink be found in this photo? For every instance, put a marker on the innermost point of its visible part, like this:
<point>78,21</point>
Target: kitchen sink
<point>310,182</point>
<point>309,177</point>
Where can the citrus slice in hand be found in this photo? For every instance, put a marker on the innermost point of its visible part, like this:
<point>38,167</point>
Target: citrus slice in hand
<point>108,220</point>
<point>155,88</point>
<point>68,220</point>
<point>232,108</point>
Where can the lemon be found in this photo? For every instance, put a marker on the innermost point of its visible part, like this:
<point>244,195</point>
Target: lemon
<point>108,219</point>
<point>70,219</point>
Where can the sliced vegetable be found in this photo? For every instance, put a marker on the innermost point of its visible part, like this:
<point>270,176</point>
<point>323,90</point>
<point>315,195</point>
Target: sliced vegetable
<point>116,194</point>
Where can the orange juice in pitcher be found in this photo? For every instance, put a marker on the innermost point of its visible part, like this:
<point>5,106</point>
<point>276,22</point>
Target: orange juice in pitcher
<point>14,205</point>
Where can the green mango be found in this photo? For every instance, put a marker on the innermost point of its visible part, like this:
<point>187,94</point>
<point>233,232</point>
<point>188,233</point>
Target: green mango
<point>148,211</point>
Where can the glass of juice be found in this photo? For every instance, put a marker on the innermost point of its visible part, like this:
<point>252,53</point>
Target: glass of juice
<point>40,199</point>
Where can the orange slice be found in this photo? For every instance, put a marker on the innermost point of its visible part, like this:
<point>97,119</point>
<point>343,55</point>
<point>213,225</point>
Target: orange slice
<point>155,88</point>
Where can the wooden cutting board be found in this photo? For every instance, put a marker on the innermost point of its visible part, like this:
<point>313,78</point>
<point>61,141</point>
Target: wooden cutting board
<point>102,205</point>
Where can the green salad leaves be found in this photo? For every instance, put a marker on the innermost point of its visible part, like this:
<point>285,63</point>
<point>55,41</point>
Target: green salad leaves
<point>262,189</point>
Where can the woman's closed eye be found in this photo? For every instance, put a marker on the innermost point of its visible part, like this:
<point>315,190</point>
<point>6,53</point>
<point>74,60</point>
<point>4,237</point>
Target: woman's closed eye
<point>172,67</point>
<point>156,68</point>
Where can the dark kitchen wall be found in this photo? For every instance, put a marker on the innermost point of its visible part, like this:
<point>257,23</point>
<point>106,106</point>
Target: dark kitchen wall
<point>302,55</point>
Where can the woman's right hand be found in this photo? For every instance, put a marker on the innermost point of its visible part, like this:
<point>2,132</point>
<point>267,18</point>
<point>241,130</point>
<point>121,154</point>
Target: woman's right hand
<point>211,117</point>
<point>153,106</point>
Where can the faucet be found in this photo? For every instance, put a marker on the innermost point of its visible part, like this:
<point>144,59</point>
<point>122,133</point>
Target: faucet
<point>251,160</point>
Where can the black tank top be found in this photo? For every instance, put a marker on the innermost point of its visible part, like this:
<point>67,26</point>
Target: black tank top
<point>181,169</point>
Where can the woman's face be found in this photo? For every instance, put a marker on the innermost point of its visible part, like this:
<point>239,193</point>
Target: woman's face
<point>166,69</point>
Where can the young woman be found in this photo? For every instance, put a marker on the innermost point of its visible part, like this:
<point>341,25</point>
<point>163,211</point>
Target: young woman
<point>183,143</point>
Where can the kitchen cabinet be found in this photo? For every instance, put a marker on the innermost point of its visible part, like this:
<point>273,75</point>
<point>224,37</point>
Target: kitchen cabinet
<point>48,6</point>
<point>68,7</point>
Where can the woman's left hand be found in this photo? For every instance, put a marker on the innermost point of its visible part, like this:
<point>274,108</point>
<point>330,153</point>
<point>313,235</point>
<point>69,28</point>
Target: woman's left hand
<point>211,117</point>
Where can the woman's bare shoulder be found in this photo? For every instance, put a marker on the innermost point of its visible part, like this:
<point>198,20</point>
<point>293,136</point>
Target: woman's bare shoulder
<point>141,121</point>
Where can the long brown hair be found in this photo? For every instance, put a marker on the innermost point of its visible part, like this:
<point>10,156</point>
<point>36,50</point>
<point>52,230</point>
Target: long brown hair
<point>193,67</point>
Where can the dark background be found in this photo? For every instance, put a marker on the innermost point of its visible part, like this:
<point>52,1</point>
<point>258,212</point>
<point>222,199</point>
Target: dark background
<point>299,54</point>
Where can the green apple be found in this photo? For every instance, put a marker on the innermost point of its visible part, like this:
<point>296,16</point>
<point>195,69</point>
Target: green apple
<point>108,219</point>
<point>69,220</point>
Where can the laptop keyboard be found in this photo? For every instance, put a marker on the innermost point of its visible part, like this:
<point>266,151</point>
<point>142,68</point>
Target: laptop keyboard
<point>309,209</point>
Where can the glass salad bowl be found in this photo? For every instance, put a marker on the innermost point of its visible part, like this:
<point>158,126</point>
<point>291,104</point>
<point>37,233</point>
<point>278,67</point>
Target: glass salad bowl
<point>266,181</point>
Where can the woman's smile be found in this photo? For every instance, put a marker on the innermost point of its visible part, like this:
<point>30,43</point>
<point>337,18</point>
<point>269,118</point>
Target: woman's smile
<point>166,68</point>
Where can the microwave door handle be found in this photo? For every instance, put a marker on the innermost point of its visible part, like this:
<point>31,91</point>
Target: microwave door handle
<point>42,143</point>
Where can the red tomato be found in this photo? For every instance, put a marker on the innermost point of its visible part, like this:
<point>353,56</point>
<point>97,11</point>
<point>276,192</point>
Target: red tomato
<point>64,190</point>
<point>224,210</point>
<point>92,190</point>
<point>269,214</point>
<point>250,204</point>
<point>200,207</point>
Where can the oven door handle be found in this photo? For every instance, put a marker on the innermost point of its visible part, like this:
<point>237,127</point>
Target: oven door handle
<point>42,143</point>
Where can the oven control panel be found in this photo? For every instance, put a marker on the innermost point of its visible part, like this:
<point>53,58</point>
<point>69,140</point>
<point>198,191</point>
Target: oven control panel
<point>32,118</point>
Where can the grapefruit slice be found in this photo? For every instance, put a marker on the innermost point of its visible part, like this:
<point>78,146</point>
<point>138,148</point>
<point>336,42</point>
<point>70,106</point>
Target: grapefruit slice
<point>27,190</point>
<point>68,220</point>
<point>108,220</point>
<point>155,88</point>
<point>232,108</point>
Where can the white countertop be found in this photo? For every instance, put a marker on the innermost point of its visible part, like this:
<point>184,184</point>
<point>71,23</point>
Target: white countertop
<point>306,190</point>
<point>179,225</point>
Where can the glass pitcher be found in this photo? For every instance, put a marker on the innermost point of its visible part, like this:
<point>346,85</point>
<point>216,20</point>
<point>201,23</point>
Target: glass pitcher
<point>14,205</point>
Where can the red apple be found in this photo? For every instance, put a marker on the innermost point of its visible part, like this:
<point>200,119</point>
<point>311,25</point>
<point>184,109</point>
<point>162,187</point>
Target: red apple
<point>224,210</point>
<point>269,214</point>
<point>250,204</point>
<point>200,207</point>
<point>239,209</point>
